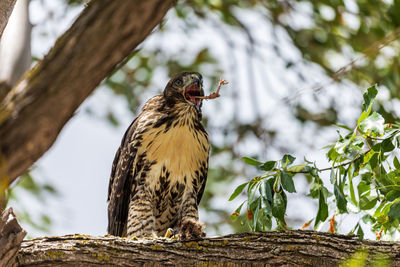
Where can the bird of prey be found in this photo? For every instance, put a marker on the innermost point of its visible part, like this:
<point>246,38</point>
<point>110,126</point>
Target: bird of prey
<point>160,169</point>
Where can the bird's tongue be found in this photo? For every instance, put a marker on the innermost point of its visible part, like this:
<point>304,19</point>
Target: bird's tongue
<point>195,100</point>
<point>191,92</point>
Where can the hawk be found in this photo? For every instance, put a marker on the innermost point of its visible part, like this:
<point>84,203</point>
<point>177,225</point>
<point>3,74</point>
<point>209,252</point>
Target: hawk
<point>160,169</point>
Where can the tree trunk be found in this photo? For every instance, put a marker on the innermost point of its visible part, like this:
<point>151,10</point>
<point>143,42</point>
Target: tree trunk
<point>6,8</point>
<point>36,109</point>
<point>290,248</point>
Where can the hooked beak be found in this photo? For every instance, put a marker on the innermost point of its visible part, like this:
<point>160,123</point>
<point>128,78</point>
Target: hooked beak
<point>192,90</point>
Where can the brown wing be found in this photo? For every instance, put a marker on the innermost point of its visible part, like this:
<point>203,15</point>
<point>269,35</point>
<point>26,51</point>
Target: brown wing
<point>121,181</point>
<point>204,167</point>
<point>203,180</point>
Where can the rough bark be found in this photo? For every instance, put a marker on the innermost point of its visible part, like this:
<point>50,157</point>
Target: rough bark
<point>35,110</point>
<point>291,248</point>
<point>6,8</point>
<point>11,236</point>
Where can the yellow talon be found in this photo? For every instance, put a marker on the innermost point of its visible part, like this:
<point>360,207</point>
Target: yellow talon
<point>171,234</point>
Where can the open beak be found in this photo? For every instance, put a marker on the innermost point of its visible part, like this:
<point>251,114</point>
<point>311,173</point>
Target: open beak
<point>191,91</point>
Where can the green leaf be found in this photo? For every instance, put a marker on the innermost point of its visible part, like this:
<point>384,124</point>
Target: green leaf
<point>236,213</point>
<point>279,206</point>
<point>267,166</point>
<point>296,168</point>
<point>374,123</point>
<point>255,217</point>
<point>311,170</point>
<point>377,147</point>
<point>265,206</point>
<point>396,163</point>
<point>369,97</point>
<point>332,154</point>
<point>392,195</point>
<point>287,160</point>
<point>315,189</point>
<point>251,161</point>
<point>394,212</point>
<point>322,213</point>
<point>360,232</point>
<point>266,190</point>
<point>287,182</point>
<point>351,187</point>
<point>382,210</point>
<point>332,176</point>
<point>237,191</point>
<point>252,190</point>
<point>373,161</point>
<point>341,201</point>
<point>368,202</point>
<point>387,145</point>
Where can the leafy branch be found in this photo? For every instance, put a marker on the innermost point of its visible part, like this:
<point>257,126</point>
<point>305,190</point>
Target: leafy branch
<point>364,172</point>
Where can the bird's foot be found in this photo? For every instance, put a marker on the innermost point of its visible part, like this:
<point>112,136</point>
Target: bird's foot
<point>172,234</point>
<point>192,229</point>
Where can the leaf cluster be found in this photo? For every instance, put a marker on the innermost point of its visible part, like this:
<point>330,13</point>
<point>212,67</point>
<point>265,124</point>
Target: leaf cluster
<point>365,175</point>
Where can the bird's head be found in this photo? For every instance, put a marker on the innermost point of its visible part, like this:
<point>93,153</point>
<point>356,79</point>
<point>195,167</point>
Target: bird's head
<point>184,87</point>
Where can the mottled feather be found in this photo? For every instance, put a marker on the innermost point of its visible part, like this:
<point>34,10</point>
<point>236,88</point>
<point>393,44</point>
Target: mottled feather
<point>160,169</point>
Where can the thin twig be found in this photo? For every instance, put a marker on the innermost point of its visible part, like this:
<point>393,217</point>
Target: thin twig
<point>329,168</point>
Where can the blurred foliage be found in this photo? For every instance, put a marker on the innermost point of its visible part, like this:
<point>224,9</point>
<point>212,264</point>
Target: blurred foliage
<point>360,35</point>
<point>327,33</point>
<point>364,173</point>
<point>360,257</point>
<point>27,188</point>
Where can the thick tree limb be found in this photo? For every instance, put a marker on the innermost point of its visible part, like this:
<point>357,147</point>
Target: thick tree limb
<point>291,248</point>
<point>6,8</point>
<point>36,109</point>
<point>11,236</point>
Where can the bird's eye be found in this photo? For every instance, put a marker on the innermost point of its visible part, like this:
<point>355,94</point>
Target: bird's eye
<point>178,82</point>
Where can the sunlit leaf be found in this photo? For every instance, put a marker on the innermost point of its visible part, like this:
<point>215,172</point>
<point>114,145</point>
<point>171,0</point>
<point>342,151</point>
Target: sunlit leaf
<point>369,97</point>
<point>296,168</point>
<point>266,190</point>
<point>279,206</point>
<point>367,202</point>
<point>374,123</point>
<point>237,191</point>
<point>266,207</point>
<point>332,176</point>
<point>251,161</point>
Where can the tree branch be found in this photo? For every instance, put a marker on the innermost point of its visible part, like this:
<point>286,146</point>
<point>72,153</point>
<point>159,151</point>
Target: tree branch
<point>11,236</point>
<point>36,109</point>
<point>6,8</point>
<point>291,248</point>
